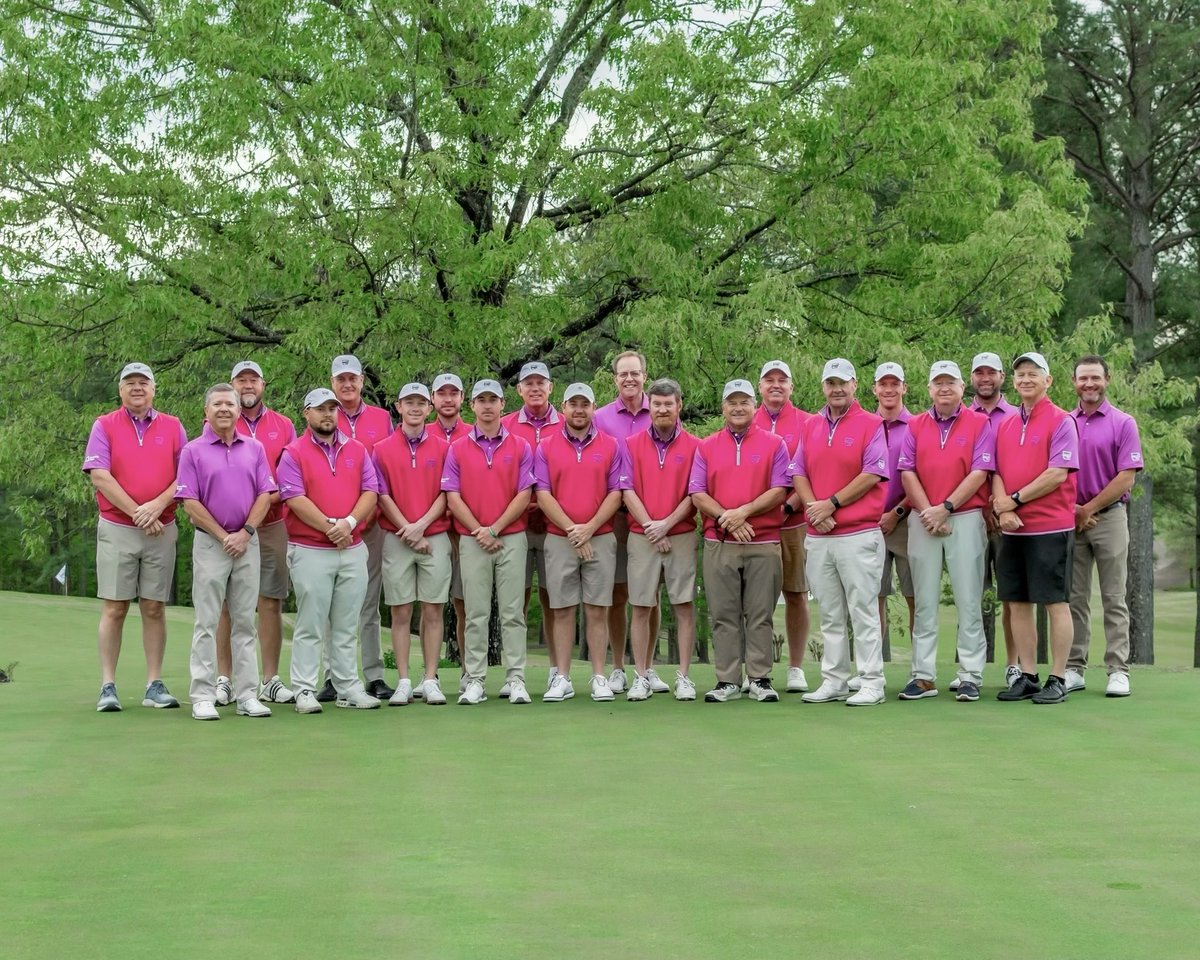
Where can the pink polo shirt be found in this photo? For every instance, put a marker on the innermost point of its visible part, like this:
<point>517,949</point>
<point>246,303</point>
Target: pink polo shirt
<point>832,452</point>
<point>615,420</point>
<point>369,426</point>
<point>579,474</point>
<point>941,452</point>
<point>333,476</point>
<point>1108,444</point>
<point>487,472</point>
<point>998,414</point>
<point>736,471</point>
<point>894,433</point>
<point>658,473</point>
<point>1025,448</point>
<point>410,472</point>
<point>225,479</point>
<point>274,431</point>
<point>787,424</point>
<point>141,454</point>
<point>460,429</point>
<point>533,430</point>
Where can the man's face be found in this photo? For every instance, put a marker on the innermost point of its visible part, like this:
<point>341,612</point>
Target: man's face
<point>629,378</point>
<point>838,392</point>
<point>889,391</point>
<point>1091,383</point>
<point>535,391</point>
<point>488,407</point>
<point>347,387</point>
<point>578,413</point>
<point>738,409</point>
<point>987,382</point>
<point>946,392</point>
<point>322,420</point>
<point>776,389</point>
<point>448,401</point>
<point>1031,382</point>
<point>249,386</point>
<point>413,410</point>
<point>136,392</point>
<point>664,412</point>
<point>221,411</point>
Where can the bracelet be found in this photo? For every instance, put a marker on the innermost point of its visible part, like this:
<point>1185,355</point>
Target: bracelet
<point>492,533</point>
<point>352,522</point>
<point>837,504</point>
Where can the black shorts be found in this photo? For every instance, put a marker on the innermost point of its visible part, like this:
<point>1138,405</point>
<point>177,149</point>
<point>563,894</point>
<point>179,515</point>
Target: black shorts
<point>1035,568</point>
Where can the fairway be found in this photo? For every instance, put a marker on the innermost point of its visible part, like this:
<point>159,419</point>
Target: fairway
<point>659,829</point>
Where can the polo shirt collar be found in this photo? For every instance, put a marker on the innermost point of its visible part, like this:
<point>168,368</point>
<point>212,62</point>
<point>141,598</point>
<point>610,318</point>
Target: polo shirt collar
<point>211,436</point>
<point>550,417</point>
<point>1104,409</point>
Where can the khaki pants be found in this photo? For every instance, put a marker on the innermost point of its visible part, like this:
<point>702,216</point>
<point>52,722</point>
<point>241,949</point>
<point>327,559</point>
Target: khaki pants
<point>480,571</point>
<point>1107,544</point>
<point>219,579</point>
<point>329,587</point>
<point>964,552</point>
<point>742,582</point>
<point>843,575</point>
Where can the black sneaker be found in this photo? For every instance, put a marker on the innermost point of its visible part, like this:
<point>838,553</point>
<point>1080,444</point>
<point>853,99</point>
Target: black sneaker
<point>1023,688</point>
<point>918,690</point>
<point>327,694</point>
<point>967,691</point>
<point>380,690</point>
<point>1053,692</point>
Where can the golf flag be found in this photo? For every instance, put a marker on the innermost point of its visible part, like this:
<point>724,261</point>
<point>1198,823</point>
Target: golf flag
<point>61,576</point>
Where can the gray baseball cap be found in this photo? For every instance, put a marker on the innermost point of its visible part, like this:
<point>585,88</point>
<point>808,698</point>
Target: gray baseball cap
<point>579,390</point>
<point>414,390</point>
<point>1036,359</point>
<point>487,386</point>
<point>839,368</point>
<point>889,369</point>
<point>136,370</point>
<point>346,363</point>
<point>945,368</point>
<point>776,365</point>
<point>987,360</point>
<point>244,365</point>
<point>738,386</point>
<point>318,397</point>
<point>534,369</point>
<point>446,380</point>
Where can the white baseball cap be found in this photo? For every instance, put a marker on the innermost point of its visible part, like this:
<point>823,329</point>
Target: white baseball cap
<point>414,390</point>
<point>987,360</point>
<point>776,365</point>
<point>318,397</point>
<point>839,368</point>
<point>945,368</point>
<point>737,386</point>
<point>136,370</point>
<point>487,386</point>
<point>246,365</point>
<point>534,369</point>
<point>1035,358</point>
<point>889,369</point>
<point>346,363</point>
<point>579,390</point>
<point>446,380</point>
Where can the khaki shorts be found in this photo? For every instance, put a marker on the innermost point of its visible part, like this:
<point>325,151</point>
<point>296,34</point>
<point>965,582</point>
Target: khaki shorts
<point>409,576</point>
<point>131,564</point>
<point>896,554</point>
<point>647,566</point>
<point>272,561</point>
<point>535,558</point>
<point>791,545</point>
<point>570,580</point>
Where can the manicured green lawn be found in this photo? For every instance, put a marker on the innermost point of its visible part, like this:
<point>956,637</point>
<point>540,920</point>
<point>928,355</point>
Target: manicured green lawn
<point>928,829</point>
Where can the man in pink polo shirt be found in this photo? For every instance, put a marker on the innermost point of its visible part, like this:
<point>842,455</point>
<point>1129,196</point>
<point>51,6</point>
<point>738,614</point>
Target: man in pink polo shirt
<point>131,458</point>
<point>488,480</point>
<point>890,389</point>
<point>1033,495</point>
<point>577,473</point>
<point>627,415</point>
<point>662,537</point>
<point>739,481</point>
<point>274,431</point>
<point>416,545</point>
<point>946,459</point>
<point>778,415</point>
<point>368,425</point>
<point>839,463</point>
<point>987,383</point>
<point>225,487</point>
<point>328,482</point>
<point>1110,455</point>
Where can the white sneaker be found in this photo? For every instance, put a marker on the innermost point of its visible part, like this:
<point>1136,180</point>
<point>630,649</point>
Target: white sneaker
<point>723,692</point>
<point>854,684</point>
<point>866,697</point>
<point>797,682</point>
<point>745,687</point>
<point>954,684</point>
<point>560,689</point>
<point>252,707</point>
<point>600,688</point>
<point>418,692</point>
<point>684,688</point>
<point>1075,681</point>
<point>403,694</point>
<point>473,693</point>
<point>205,710</point>
<point>224,692</point>
<point>827,692</point>
<point>762,691</point>
<point>1012,674</point>
<point>640,689</point>
<point>462,683</point>
<point>616,683</point>
<point>550,677</point>
<point>1118,685</point>
<point>657,683</point>
<point>433,693</point>
<point>273,691</point>
<point>306,702</point>
<point>358,700</point>
<point>517,692</point>
<point>505,689</point>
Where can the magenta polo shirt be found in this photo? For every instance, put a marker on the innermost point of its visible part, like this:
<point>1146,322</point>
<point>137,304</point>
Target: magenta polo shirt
<point>736,471</point>
<point>787,424</point>
<point>274,431</point>
<point>409,470</point>
<point>487,472</point>
<point>141,454</point>
<point>369,426</point>
<point>895,432</point>
<point>618,422</point>
<point>225,479</point>
<point>533,430</point>
<point>942,451</point>
<point>833,452</point>
<point>579,474</point>
<point>333,476</point>
<point>658,473</point>
<point>998,414</point>
<point>1028,445</point>
<point>1108,444</point>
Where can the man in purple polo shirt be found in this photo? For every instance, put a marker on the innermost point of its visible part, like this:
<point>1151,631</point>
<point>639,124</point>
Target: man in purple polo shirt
<point>1110,455</point>
<point>225,487</point>
<point>628,414</point>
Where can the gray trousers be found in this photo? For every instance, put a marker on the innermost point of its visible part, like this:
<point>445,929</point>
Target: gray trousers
<point>742,582</point>
<point>219,579</point>
<point>329,587</point>
<point>480,570</point>
<point>1107,546</point>
<point>368,620</point>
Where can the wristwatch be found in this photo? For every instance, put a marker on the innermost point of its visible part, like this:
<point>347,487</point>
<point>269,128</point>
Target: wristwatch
<point>901,512</point>
<point>1016,497</point>
<point>788,509</point>
<point>948,505</point>
<point>249,528</point>
<point>837,504</point>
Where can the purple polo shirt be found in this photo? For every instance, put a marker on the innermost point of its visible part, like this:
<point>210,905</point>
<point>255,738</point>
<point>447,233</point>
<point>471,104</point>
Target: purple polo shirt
<point>615,420</point>
<point>291,480</point>
<point>998,414</point>
<point>874,453</point>
<point>617,478</point>
<point>983,454</point>
<point>98,454</point>
<point>781,469</point>
<point>225,479</point>
<point>452,472</point>
<point>895,433</point>
<point>1108,444</point>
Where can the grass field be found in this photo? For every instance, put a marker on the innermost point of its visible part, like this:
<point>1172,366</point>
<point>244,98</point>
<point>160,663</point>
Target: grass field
<point>660,829</point>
